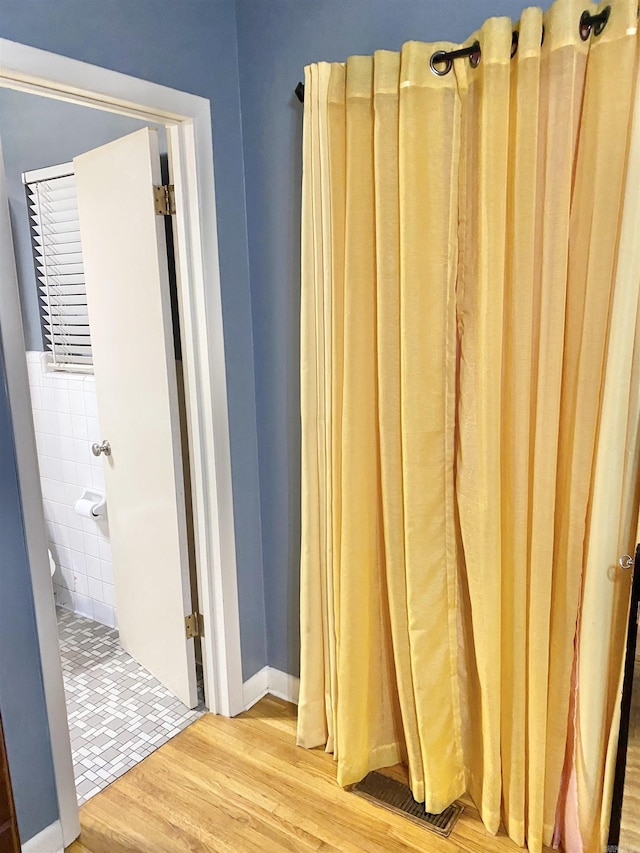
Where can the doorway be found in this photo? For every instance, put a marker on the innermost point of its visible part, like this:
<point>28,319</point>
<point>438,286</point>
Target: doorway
<point>119,705</point>
<point>187,122</point>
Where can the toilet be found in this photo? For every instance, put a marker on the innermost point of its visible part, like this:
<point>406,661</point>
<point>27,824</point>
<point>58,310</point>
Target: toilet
<point>52,564</point>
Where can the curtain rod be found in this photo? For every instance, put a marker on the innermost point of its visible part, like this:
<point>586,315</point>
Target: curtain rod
<point>444,58</point>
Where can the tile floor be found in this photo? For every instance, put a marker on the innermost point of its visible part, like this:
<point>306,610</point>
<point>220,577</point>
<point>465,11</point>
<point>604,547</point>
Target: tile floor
<point>118,712</point>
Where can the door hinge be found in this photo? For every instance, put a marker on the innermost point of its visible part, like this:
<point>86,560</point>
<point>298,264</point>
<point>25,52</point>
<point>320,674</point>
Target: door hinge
<point>194,625</point>
<point>165,199</point>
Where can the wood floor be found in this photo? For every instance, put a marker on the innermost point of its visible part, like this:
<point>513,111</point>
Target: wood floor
<point>242,786</point>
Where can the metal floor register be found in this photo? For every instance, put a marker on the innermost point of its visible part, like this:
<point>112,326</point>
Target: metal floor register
<point>397,797</point>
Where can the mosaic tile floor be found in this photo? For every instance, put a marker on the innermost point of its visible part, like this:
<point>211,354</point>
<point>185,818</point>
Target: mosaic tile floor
<point>118,712</point>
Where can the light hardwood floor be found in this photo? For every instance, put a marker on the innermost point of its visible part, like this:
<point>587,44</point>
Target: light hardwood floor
<point>242,786</point>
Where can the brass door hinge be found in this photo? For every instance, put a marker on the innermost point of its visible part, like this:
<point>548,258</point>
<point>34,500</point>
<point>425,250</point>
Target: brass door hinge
<point>194,625</point>
<point>164,198</point>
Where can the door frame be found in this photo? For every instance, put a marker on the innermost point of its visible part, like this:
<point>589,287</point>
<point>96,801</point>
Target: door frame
<point>630,664</point>
<point>188,121</point>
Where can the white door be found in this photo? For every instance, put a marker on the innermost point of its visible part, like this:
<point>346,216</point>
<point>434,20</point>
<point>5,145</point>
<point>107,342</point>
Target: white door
<point>125,263</point>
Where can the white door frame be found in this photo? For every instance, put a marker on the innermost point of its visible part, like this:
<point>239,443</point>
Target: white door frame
<point>188,122</point>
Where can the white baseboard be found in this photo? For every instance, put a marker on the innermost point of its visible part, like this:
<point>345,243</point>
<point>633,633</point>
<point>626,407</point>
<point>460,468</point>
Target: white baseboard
<point>283,685</point>
<point>255,687</point>
<point>47,841</point>
<point>270,680</point>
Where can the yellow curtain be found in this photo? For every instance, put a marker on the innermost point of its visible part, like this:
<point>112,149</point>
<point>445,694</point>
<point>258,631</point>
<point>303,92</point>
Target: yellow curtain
<point>612,526</point>
<point>467,313</point>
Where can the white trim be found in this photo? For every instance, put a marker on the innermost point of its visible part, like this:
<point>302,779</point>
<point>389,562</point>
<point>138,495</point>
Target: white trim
<point>188,119</point>
<point>12,342</point>
<point>283,685</point>
<point>190,148</point>
<point>47,841</point>
<point>273,681</point>
<point>255,687</point>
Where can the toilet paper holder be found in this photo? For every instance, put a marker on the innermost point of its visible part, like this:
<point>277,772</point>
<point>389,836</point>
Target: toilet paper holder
<point>91,504</point>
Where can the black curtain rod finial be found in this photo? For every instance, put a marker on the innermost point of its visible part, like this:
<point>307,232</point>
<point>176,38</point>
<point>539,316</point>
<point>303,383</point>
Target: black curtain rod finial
<point>299,91</point>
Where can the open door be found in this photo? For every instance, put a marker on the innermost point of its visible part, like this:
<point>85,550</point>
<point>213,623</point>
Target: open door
<point>127,282</point>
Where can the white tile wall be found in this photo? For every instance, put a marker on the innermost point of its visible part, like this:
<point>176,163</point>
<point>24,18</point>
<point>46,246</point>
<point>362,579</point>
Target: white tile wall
<point>66,421</point>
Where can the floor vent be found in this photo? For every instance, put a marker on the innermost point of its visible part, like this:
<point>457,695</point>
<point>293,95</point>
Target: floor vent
<point>393,795</point>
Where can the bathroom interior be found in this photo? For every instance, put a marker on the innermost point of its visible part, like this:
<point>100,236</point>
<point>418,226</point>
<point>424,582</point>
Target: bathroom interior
<point>117,711</point>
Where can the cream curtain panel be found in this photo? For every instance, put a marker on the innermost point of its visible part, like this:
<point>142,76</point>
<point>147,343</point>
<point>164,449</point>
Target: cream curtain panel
<point>470,401</point>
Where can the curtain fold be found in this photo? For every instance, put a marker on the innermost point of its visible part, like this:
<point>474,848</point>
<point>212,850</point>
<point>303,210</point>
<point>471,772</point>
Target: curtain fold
<point>469,408</point>
<point>484,96</point>
<point>428,107</point>
<point>555,423</point>
<point>389,336</point>
<point>527,132</point>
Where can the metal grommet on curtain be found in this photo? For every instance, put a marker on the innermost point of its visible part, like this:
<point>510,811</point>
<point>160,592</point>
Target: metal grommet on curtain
<point>602,21</point>
<point>585,26</point>
<point>597,23</point>
<point>441,58</point>
<point>445,58</point>
<point>515,36</point>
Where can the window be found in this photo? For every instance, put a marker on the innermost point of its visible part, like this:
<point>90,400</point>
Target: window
<point>57,253</point>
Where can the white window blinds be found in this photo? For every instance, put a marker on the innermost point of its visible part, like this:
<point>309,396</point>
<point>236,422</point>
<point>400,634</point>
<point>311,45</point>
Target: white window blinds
<point>55,236</point>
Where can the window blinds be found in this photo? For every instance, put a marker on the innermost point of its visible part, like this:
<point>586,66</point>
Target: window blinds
<point>55,236</point>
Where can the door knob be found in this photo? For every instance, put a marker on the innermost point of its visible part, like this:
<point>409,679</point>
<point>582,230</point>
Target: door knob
<point>97,449</point>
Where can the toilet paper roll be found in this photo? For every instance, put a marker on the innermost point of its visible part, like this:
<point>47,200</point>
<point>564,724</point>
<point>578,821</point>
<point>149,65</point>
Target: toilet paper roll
<point>92,504</point>
<point>86,508</point>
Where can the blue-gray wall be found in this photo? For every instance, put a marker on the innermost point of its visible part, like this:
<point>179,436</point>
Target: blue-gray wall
<point>189,45</point>
<point>276,39</point>
<point>21,693</point>
<point>38,132</point>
